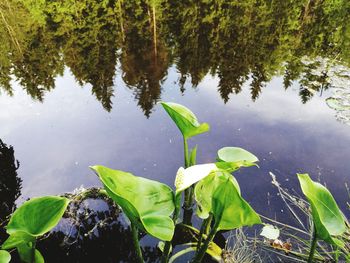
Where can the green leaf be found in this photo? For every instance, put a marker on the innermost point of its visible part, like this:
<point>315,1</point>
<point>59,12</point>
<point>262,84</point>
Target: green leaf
<point>25,252</point>
<point>5,256</point>
<point>328,219</point>
<point>147,203</point>
<point>39,257</point>
<point>38,215</point>
<point>230,210</point>
<point>236,155</point>
<point>205,188</point>
<point>270,232</point>
<point>17,238</point>
<point>185,119</point>
<point>193,156</point>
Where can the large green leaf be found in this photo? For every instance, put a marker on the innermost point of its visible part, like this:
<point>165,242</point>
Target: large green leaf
<point>5,256</point>
<point>38,215</point>
<point>230,210</point>
<point>147,203</point>
<point>185,119</point>
<point>328,219</point>
<point>205,188</point>
<point>238,156</point>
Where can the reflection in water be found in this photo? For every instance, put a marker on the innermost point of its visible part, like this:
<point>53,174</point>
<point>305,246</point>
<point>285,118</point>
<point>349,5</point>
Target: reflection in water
<point>94,230</point>
<point>10,185</point>
<point>93,235</point>
<point>236,41</point>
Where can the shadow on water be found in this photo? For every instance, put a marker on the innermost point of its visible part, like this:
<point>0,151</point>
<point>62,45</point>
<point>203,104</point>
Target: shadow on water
<point>235,41</point>
<point>10,185</point>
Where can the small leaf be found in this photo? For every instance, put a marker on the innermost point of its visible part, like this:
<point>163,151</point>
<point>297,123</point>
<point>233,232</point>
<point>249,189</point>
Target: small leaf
<point>185,119</point>
<point>327,217</point>
<point>16,239</point>
<point>5,256</point>
<point>147,203</point>
<point>270,232</point>
<point>230,210</point>
<point>193,156</point>
<point>38,215</point>
<point>236,154</point>
<point>191,175</point>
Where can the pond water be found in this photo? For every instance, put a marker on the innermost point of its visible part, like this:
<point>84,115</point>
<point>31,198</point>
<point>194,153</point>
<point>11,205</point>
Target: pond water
<point>80,83</point>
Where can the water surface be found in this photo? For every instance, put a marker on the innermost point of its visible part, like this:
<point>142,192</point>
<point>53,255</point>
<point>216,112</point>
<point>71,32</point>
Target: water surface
<point>80,83</point>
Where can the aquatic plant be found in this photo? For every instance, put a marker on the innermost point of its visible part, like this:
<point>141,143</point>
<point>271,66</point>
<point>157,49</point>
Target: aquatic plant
<point>154,208</point>
<point>328,220</point>
<point>33,219</point>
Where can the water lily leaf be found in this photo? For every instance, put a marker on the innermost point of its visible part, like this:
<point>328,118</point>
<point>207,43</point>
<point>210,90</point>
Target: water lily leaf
<point>230,210</point>
<point>17,238</point>
<point>336,104</point>
<point>38,215</point>
<point>185,119</point>
<point>205,188</point>
<point>328,219</point>
<point>191,175</point>
<point>147,203</point>
<point>5,256</point>
<point>236,155</point>
<point>270,232</point>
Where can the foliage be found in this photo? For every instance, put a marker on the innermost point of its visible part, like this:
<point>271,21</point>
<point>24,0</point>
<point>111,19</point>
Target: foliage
<point>185,120</point>
<point>33,219</point>
<point>154,208</point>
<point>148,204</point>
<point>5,257</point>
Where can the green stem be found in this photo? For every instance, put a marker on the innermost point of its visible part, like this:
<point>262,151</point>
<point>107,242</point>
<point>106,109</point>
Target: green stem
<point>187,161</point>
<point>33,252</point>
<point>135,238</point>
<point>313,246</point>
<point>203,230</point>
<point>200,254</point>
<point>188,195</point>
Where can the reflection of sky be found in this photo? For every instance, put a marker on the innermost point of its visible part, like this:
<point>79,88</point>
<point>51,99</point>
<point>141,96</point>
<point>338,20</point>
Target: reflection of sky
<point>57,140</point>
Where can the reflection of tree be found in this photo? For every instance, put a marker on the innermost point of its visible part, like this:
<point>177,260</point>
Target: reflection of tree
<point>234,40</point>
<point>144,60</point>
<point>93,235</point>
<point>10,184</point>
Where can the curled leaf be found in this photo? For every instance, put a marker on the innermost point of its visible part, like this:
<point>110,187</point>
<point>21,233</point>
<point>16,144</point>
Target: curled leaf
<point>185,119</point>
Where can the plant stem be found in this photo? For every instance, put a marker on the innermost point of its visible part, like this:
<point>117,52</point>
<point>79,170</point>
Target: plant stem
<point>33,252</point>
<point>188,195</point>
<point>200,254</point>
<point>135,238</point>
<point>203,230</point>
<point>313,246</point>
<point>187,163</point>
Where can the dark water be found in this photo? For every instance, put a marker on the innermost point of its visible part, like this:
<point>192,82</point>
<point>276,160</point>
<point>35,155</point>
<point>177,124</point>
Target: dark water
<point>80,82</point>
